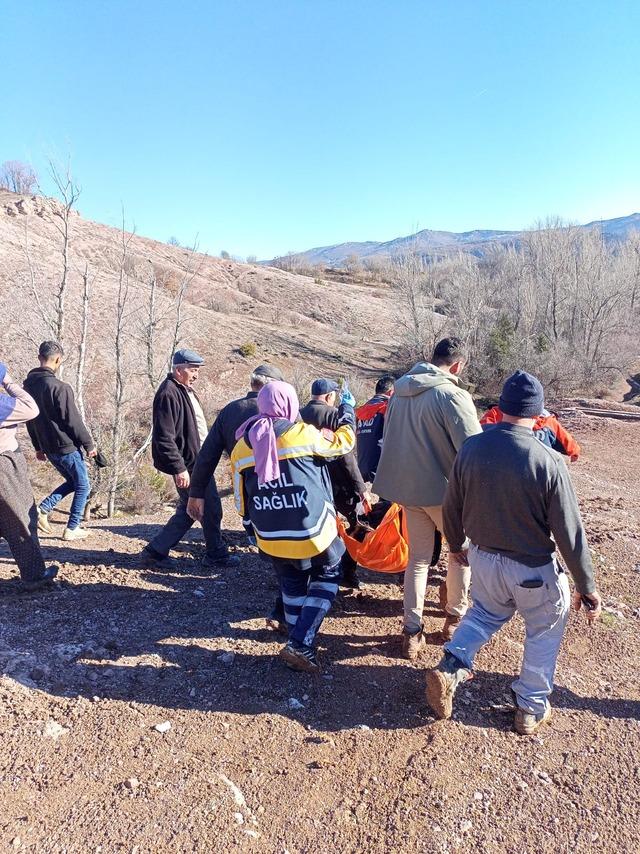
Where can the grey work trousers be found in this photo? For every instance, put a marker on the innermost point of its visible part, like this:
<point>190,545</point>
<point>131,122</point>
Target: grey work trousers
<point>500,587</point>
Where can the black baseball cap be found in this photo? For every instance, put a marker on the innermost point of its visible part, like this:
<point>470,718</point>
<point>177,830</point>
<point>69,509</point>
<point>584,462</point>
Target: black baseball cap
<point>323,386</point>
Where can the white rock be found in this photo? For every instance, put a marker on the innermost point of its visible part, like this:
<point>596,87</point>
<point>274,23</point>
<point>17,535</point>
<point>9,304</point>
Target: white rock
<point>54,730</point>
<point>364,727</point>
<point>238,797</point>
<point>466,826</point>
<point>227,657</point>
<point>132,783</point>
<point>292,703</point>
<point>163,727</point>
<point>199,593</point>
<point>239,818</point>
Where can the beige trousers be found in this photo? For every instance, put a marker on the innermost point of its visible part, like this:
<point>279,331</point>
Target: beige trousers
<point>421,529</point>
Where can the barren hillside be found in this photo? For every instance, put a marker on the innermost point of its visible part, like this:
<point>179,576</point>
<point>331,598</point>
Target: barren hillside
<point>300,323</point>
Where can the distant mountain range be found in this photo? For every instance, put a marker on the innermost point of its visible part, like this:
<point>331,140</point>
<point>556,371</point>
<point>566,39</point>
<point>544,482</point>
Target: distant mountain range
<point>435,244</point>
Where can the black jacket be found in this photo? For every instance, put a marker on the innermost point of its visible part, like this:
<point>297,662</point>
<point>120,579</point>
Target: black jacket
<point>59,429</point>
<point>222,437</point>
<point>345,475</point>
<point>175,442</point>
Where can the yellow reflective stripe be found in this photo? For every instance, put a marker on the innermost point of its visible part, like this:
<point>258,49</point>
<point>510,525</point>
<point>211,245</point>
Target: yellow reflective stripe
<point>344,440</point>
<point>303,549</point>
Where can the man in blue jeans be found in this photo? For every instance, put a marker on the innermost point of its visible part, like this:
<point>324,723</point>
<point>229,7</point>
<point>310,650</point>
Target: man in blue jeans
<point>59,435</point>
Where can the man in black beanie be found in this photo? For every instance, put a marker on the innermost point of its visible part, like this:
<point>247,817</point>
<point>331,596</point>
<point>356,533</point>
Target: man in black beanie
<point>509,494</point>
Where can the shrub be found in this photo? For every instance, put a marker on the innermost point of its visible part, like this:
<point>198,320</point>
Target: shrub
<point>147,492</point>
<point>249,349</point>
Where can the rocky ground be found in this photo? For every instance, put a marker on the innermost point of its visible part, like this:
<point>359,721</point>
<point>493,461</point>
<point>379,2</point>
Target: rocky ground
<point>146,712</point>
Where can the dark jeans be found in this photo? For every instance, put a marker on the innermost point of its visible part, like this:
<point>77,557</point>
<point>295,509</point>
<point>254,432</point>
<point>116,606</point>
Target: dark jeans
<point>74,469</point>
<point>181,522</point>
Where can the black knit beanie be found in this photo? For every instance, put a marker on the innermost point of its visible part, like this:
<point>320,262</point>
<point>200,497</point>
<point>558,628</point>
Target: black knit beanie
<point>522,396</point>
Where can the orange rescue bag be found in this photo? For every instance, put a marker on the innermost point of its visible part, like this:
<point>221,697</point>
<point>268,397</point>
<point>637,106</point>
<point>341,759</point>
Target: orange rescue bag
<point>385,549</point>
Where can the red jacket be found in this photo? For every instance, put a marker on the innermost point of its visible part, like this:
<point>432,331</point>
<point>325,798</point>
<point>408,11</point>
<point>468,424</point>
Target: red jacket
<point>547,428</point>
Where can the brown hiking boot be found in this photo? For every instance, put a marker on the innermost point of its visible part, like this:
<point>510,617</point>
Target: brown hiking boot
<point>442,682</point>
<point>526,723</point>
<point>442,596</point>
<point>412,644</point>
<point>451,623</point>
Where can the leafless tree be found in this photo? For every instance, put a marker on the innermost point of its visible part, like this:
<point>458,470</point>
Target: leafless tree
<point>18,177</point>
<point>194,263</point>
<point>87,284</point>
<point>122,316</point>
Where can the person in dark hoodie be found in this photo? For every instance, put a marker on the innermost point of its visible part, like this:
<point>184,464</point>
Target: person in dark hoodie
<point>59,435</point>
<point>18,513</point>
<point>179,430</point>
<point>348,486</point>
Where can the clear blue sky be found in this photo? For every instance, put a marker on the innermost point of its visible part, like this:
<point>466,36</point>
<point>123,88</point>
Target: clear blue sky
<point>276,125</point>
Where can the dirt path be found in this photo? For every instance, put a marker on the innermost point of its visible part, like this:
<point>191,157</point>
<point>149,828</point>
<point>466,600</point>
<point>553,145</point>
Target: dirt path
<point>261,759</point>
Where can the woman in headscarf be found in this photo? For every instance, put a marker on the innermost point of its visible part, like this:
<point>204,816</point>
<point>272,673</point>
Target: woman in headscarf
<point>283,492</point>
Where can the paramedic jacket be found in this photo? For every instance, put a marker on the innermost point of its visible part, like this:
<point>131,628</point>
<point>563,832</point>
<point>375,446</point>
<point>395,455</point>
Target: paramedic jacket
<point>293,517</point>
<point>369,427</point>
<point>547,429</point>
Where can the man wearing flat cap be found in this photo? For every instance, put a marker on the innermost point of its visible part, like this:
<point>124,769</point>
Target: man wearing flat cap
<point>222,438</point>
<point>179,430</point>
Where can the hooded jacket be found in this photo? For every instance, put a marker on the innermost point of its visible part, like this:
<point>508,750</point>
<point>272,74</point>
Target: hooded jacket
<point>429,417</point>
<point>59,428</point>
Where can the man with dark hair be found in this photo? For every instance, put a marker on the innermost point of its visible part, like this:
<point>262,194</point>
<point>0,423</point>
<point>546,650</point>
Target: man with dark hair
<point>370,426</point>
<point>429,417</point>
<point>59,435</point>
<point>348,486</point>
<point>179,430</point>
<point>512,558</point>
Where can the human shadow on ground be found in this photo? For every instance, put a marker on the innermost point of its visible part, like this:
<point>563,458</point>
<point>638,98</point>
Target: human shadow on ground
<point>200,643</point>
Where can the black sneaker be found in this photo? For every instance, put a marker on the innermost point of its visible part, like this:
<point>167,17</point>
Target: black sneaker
<point>151,559</point>
<point>226,560</point>
<point>46,578</point>
<point>350,579</point>
<point>300,657</point>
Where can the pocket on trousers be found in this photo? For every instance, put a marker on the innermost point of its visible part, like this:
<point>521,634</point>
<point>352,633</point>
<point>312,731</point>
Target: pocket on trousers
<point>542,601</point>
<point>528,597</point>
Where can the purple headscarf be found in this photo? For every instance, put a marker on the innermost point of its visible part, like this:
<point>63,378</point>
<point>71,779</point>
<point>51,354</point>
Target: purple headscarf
<point>275,400</point>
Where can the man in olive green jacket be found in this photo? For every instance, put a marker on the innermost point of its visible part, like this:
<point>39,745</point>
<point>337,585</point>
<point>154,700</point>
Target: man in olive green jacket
<point>430,416</point>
